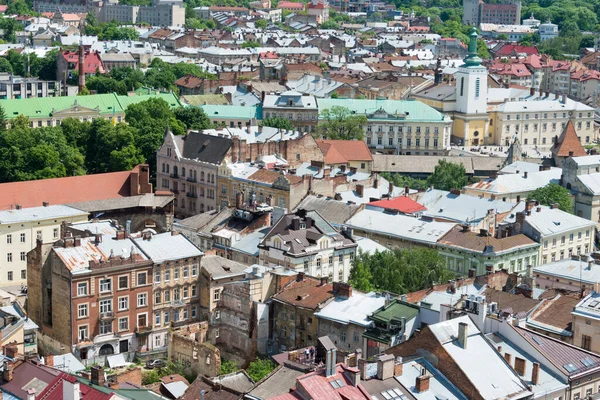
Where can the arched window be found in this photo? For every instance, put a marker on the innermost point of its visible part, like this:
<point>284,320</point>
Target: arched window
<point>106,350</point>
<point>183,171</point>
<point>175,170</point>
<point>164,168</point>
<point>201,175</point>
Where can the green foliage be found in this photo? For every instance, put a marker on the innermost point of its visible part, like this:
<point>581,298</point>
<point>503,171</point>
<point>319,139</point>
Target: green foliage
<point>259,368</point>
<point>2,120</point>
<point>228,366</point>
<point>399,270</point>
<point>329,24</point>
<point>193,118</point>
<point>5,66</point>
<point>150,377</point>
<point>251,44</point>
<point>278,122</point>
<point>340,123</point>
<point>551,194</point>
<point>196,23</point>
<point>261,24</point>
<point>111,31</point>
<point>18,7</point>
<point>448,175</point>
<point>402,181</point>
<point>334,95</point>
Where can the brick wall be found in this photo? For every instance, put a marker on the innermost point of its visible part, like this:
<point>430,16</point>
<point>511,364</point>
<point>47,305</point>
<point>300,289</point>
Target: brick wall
<point>132,375</point>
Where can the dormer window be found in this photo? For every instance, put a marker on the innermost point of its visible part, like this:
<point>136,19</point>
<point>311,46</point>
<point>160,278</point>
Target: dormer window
<point>302,225</point>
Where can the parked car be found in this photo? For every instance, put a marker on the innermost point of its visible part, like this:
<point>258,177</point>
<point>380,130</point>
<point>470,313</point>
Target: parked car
<point>151,364</point>
<point>264,207</point>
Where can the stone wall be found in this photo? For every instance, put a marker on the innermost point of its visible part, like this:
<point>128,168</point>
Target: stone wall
<point>187,345</point>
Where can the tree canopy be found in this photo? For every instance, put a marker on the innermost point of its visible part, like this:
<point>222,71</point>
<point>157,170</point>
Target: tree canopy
<point>553,193</point>
<point>278,122</point>
<point>448,175</point>
<point>398,271</point>
<point>340,123</point>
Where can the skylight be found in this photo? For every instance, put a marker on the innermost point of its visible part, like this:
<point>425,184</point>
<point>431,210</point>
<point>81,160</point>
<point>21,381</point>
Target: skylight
<point>570,367</point>
<point>594,303</point>
<point>588,362</point>
<point>393,394</point>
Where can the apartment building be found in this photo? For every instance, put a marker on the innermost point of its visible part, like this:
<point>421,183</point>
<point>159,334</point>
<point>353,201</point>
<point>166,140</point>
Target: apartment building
<point>175,291</point>
<point>404,127</point>
<point>581,176</point>
<point>21,228</point>
<point>300,109</point>
<point>92,294</point>
<point>17,87</point>
<point>561,235</point>
<point>159,13</point>
<point>188,167</point>
<point>304,241</point>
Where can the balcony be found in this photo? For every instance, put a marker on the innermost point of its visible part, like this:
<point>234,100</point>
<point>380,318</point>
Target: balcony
<point>177,303</point>
<point>143,330</point>
<point>175,176</point>
<point>107,315</point>
<point>192,195</point>
<point>191,179</point>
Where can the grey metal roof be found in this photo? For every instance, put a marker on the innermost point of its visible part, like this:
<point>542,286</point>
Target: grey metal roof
<point>337,212</point>
<point>38,214</point>
<point>220,267</point>
<point>166,247</point>
<point>207,148</point>
<point>238,381</point>
<point>427,164</point>
<point>145,200</point>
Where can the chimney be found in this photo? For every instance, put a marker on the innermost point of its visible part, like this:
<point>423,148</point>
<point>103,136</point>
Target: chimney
<point>362,366</point>
<point>323,281</point>
<point>7,374</point>
<point>571,153</point>
<point>97,373</point>
<point>520,365</point>
<point>300,277</point>
<point>31,394</point>
<point>11,351</point>
<point>463,333</point>
<point>554,206</point>
<point>529,205</point>
<point>98,238</point>
<point>500,349</point>
<point>330,362</point>
<point>360,190</point>
<point>455,192</point>
<point>464,228</point>
<point>535,373</point>
<point>354,376</point>
<point>71,390</point>
<point>532,91</point>
<point>45,204</point>
<point>295,224</point>
<point>121,235</point>
<point>18,206</point>
<point>385,367</point>
<point>202,392</point>
<point>50,360</point>
<point>77,242</point>
<point>342,289</point>
<point>422,382</point>
<point>398,363</point>
<point>508,358</point>
<point>525,175</point>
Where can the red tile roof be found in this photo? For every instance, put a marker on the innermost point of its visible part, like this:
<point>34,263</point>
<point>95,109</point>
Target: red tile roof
<point>568,142</point>
<point>92,61</point>
<point>402,203</point>
<point>511,49</point>
<point>189,81</point>
<point>307,293</point>
<point>344,151</point>
<point>517,70</point>
<point>73,189</point>
<point>290,4</point>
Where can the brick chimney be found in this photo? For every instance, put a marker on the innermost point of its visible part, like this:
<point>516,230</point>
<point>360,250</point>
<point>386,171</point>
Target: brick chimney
<point>11,350</point>
<point>50,360</point>
<point>97,373</point>
<point>422,382</point>
<point>398,366</point>
<point>535,373</point>
<point>508,358</point>
<point>385,367</point>
<point>360,190</point>
<point>342,289</point>
<point>520,365</point>
<point>7,374</point>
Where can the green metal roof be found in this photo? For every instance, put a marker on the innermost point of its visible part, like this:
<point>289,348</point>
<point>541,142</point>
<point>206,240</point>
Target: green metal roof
<point>395,311</point>
<point>414,110</point>
<point>108,104</point>
<point>229,111</point>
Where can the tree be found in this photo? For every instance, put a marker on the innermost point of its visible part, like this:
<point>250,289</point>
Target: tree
<point>5,66</point>
<point>193,118</point>
<point>398,271</point>
<point>341,123</point>
<point>228,366</point>
<point>2,119</point>
<point>502,36</point>
<point>18,7</point>
<point>402,181</point>
<point>448,175</point>
<point>261,24</point>
<point>553,194</point>
<point>251,45</point>
<point>278,122</point>
<point>260,368</point>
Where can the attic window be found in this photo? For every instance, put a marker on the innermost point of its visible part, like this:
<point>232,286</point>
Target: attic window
<point>216,113</point>
<point>570,367</point>
<point>228,269</point>
<point>38,112</point>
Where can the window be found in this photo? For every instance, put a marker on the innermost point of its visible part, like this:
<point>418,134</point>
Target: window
<point>9,257</point>
<point>82,310</point>
<point>193,311</point>
<point>193,290</point>
<point>176,273</point>
<point>142,320</point>
<point>554,242</point>
<point>167,275</point>
<point>142,299</point>
<point>9,239</point>
<point>571,236</point>
<point>305,265</point>
<point>157,277</point>
<point>167,296</point>
<point>319,262</point>
<point>39,235</point>
<point>9,275</point>
<point>578,235</point>
<point>186,291</point>
<point>105,327</point>
<point>123,282</point>
<point>123,324</point>
<point>176,295</point>
<point>106,306</point>
<point>562,240</point>
<point>186,272</point>
<point>82,332</point>
<point>24,272</point>
<point>157,297</point>
<point>343,337</point>
<point>194,270</point>
<point>55,233</point>
<point>23,256</point>
<point>105,285</point>
<point>123,303</point>
<point>22,238</point>
<point>216,295</point>
<point>82,289</point>
<point>167,317</point>
<point>157,319</point>
<point>185,313</point>
<point>586,342</point>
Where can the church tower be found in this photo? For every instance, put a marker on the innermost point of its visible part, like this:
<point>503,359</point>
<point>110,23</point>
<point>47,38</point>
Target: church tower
<point>471,120</point>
